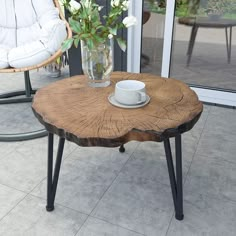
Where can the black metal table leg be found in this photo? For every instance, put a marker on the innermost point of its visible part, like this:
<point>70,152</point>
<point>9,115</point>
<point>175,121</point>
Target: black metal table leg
<point>50,206</point>
<point>191,43</point>
<point>228,42</point>
<point>52,180</point>
<point>175,179</point>
<point>179,179</point>
<point>122,148</point>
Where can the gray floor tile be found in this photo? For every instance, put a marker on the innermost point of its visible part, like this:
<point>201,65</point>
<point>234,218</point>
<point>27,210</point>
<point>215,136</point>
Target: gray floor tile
<point>81,184</point>
<point>219,123</point>
<point>96,227</point>
<point>110,158</point>
<point>9,198</point>
<point>205,216</point>
<point>31,218</point>
<point>27,121</point>
<point>197,130</point>
<point>7,111</point>
<point>40,146</point>
<point>224,115</point>
<point>213,178</point>
<point>189,144</point>
<point>8,147</point>
<point>22,171</point>
<point>149,161</point>
<point>12,81</point>
<point>137,204</point>
<point>218,137</point>
<point>217,147</point>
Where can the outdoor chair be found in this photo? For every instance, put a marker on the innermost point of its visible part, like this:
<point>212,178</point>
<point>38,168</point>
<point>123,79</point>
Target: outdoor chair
<point>31,34</point>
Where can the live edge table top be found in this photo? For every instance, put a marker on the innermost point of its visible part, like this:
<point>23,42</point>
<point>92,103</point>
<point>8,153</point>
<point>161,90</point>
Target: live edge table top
<point>82,114</point>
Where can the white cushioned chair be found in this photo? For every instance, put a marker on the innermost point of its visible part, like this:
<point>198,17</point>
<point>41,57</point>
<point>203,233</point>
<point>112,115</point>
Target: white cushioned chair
<point>31,34</point>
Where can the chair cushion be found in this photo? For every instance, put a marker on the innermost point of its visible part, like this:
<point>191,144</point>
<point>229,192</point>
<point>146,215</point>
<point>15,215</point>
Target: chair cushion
<point>3,56</point>
<point>7,24</point>
<point>35,52</point>
<point>28,55</point>
<point>33,31</point>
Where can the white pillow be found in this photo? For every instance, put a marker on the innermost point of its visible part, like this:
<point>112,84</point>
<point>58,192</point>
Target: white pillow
<point>7,23</point>
<point>45,10</point>
<point>32,53</point>
<point>28,55</point>
<point>3,57</point>
<point>53,34</point>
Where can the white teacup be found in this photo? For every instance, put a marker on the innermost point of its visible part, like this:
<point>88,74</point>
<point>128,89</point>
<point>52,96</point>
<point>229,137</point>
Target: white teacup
<point>130,92</point>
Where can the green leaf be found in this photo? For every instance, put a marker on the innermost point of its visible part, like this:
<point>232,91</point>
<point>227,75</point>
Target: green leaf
<point>121,44</point>
<point>76,42</point>
<point>85,36</point>
<point>97,38</point>
<point>113,30</point>
<point>90,43</point>
<point>75,25</point>
<point>67,44</point>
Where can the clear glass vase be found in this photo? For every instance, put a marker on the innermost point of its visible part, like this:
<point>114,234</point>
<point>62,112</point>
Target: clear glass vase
<point>97,63</point>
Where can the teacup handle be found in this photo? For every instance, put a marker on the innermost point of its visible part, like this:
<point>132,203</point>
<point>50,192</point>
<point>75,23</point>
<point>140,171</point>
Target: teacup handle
<point>142,97</point>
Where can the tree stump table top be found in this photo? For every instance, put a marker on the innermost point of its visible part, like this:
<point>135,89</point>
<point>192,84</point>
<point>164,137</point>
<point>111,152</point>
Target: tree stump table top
<point>82,114</point>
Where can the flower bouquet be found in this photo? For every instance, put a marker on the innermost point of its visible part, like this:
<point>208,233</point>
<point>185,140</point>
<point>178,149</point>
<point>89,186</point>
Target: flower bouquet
<point>96,34</point>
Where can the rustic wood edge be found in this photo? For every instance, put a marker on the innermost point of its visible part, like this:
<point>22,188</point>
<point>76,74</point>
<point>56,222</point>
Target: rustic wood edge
<point>132,135</point>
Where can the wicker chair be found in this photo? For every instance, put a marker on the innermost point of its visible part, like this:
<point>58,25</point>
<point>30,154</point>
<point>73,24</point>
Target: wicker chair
<point>11,97</point>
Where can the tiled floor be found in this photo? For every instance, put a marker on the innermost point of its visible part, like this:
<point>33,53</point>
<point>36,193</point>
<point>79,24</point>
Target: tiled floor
<point>102,192</point>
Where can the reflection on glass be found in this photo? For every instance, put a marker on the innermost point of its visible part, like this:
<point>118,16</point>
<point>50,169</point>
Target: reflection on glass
<point>152,37</point>
<point>204,50</point>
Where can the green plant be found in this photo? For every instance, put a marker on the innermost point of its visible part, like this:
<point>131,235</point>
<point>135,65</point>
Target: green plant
<point>215,6</point>
<point>219,7</point>
<point>87,25</point>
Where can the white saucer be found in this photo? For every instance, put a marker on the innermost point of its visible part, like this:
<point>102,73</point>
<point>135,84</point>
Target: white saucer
<point>113,101</point>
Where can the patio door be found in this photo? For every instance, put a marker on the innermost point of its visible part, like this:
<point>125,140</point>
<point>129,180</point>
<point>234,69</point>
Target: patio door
<point>159,44</point>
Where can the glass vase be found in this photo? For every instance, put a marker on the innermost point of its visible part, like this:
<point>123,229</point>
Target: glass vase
<point>97,63</point>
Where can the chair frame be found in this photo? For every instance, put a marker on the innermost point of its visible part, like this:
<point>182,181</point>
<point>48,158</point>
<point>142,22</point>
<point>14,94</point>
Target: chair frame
<point>8,98</point>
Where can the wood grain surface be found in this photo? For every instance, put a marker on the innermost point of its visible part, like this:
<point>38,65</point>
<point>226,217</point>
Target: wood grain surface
<point>82,114</point>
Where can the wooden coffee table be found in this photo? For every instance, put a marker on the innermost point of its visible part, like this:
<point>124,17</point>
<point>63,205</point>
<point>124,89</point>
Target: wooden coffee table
<point>82,114</point>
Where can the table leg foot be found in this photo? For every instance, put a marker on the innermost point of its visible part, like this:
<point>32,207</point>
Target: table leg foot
<point>179,217</point>
<point>122,148</point>
<point>49,208</point>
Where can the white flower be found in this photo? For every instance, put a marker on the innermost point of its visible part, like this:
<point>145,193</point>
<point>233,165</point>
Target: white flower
<point>115,3</point>
<point>87,3</point>
<point>110,36</point>
<point>125,5</point>
<point>74,6</point>
<point>129,21</point>
<point>100,8</point>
